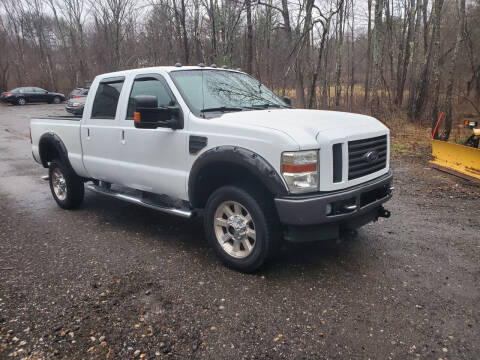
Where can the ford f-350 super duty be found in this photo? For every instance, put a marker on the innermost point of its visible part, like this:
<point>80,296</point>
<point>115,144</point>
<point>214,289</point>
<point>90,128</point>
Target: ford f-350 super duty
<point>217,143</point>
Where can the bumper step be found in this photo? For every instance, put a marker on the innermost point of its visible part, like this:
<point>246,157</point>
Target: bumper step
<point>185,213</point>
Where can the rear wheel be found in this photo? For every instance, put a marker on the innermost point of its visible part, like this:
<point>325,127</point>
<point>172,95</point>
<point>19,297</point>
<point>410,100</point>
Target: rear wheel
<point>66,186</point>
<point>242,227</point>
<point>21,101</point>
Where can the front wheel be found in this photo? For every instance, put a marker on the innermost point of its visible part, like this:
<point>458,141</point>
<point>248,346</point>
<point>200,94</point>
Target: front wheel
<point>66,186</point>
<point>242,227</point>
<point>57,100</point>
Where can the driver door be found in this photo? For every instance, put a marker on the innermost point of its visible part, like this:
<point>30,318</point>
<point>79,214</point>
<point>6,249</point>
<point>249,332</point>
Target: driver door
<point>153,160</point>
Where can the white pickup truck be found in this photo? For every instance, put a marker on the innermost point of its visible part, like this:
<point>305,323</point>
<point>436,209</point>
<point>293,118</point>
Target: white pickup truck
<point>216,142</point>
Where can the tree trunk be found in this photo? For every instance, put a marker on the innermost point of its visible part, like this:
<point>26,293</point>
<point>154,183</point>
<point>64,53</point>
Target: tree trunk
<point>338,61</point>
<point>186,51</point>
<point>313,86</point>
<point>214,32</point>
<point>413,65</point>
<point>451,76</point>
<point>377,53</point>
<point>249,66</point>
<point>430,72</point>
<point>369,53</point>
<point>338,65</point>
<point>352,69</point>
<point>438,4</point>
<point>406,50</point>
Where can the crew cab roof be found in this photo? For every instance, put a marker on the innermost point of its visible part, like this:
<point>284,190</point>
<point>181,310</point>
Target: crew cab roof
<point>165,69</point>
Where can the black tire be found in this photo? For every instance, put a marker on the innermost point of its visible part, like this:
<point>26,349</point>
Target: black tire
<point>265,219</point>
<point>57,100</point>
<point>21,101</point>
<point>472,141</point>
<point>75,190</point>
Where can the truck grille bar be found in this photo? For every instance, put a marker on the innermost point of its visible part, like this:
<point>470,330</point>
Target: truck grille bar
<point>366,156</point>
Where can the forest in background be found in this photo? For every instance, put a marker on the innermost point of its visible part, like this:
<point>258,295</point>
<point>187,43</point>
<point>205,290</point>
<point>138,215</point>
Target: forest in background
<point>409,59</point>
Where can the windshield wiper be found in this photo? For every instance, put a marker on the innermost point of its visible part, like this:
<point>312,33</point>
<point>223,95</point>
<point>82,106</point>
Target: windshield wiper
<point>221,108</point>
<point>265,106</point>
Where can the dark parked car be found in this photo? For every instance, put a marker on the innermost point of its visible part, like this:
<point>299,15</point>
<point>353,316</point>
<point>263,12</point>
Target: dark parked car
<point>22,95</point>
<point>75,105</point>
<point>78,93</point>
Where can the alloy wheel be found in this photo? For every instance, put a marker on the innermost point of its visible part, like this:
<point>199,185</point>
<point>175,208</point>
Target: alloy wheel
<point>234,229</point>
<point>59,184</point>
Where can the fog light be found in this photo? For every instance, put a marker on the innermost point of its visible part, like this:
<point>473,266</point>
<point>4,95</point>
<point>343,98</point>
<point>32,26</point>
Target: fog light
<point>329,209</point>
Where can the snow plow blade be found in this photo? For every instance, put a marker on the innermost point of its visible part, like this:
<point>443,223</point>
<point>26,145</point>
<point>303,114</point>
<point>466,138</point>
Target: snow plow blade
<point>456,159</point>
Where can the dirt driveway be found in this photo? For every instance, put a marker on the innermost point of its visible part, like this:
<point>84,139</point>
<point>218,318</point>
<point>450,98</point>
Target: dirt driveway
<point>112,280</point>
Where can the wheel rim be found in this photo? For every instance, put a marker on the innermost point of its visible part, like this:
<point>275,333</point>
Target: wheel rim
<point>234,229</point>
<point>56,100</point>
<point>21,101</point>
<point>59,185</point>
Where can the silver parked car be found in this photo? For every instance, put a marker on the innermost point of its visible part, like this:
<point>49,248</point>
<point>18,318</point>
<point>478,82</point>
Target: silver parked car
<point>75,105</point>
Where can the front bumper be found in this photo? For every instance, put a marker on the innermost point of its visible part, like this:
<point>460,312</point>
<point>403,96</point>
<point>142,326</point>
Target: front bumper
<point>346,205</point>
<point>75,110</point>
<point>8,100</point>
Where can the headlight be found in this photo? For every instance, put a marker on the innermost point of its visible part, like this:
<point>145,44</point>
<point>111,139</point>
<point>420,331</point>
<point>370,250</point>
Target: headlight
<point>76,104</point>
<point>299,169</point>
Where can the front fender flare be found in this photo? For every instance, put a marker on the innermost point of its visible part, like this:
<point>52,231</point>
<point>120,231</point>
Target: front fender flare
<point>254,163</point>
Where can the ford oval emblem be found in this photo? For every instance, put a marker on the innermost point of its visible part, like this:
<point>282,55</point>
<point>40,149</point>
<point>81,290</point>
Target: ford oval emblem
<point>371,156</point>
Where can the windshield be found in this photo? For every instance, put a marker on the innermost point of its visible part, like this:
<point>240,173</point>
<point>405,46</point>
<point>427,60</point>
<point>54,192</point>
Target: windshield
<point>208,91</point>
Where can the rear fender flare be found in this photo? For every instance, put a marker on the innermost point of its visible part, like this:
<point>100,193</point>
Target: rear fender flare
<point>51,139</point>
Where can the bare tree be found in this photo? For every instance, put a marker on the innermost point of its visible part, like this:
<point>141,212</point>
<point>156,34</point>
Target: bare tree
<point>369,53</point>
<point>451,76</point>
<point>340,26</point>
<point>377,52</point>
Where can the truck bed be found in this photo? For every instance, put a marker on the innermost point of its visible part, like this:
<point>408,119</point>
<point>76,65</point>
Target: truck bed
<point>64,127</point>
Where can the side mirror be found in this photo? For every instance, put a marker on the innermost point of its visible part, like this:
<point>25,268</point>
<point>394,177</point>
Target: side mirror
<point>287,101</point>
<point>148,115</point>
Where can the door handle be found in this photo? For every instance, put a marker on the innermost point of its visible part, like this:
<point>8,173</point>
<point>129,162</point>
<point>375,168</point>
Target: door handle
<point>88,134</point>
<point>123,137</point>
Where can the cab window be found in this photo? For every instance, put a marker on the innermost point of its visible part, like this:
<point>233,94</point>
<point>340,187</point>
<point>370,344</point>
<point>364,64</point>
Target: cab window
<point>149,85</point>
<point>106,98</point>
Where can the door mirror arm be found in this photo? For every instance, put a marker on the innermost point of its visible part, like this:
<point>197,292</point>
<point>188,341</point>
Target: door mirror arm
<point>287,101</point>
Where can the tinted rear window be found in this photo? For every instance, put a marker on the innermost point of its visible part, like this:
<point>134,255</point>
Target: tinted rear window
<point>80,92</point>
<point>106,99</point>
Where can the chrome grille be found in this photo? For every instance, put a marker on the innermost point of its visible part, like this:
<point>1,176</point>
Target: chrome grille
<point>366,156</point>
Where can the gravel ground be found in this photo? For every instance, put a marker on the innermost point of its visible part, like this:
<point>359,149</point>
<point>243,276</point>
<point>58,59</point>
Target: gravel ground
<point>116,281</point>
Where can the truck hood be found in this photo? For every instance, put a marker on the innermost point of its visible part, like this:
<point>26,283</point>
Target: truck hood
<point>310,127</point>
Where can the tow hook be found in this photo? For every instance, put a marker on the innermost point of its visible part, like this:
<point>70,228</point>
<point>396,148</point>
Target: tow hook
<point>382,212</point>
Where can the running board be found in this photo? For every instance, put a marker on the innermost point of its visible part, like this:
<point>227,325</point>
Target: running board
<point>135,200</point>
